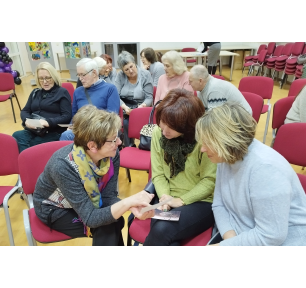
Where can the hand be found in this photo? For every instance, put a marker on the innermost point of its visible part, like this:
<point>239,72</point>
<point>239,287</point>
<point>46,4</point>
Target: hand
<point>29,126</point>
<point>174,203</point>
<point>142,198</point>
<point>69,127</point>
<point>218,244</point>
<point>142,216</point>
<point>142,105</point>
<point>146,67</point>
<point>44,123</point>
<point>127,109</point>
<point>229,234</point>
<point>106,72</point>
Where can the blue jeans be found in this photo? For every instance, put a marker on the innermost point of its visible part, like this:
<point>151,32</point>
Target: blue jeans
<point>67,136</point>
<point>126,140</point>
<point>26,139</point>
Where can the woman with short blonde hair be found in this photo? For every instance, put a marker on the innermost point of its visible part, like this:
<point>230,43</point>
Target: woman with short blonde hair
<point>176,75</point>
<point>258,198</point>
<point>53,73</point>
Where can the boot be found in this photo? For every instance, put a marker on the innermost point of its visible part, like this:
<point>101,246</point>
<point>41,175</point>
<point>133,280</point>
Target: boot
<point>214,69</point>
<point>209,69</point>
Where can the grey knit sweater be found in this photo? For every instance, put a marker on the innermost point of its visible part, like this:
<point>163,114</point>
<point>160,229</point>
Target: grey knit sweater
<point>59,173</point>
<point>216,92</point>
<point>297,113</point>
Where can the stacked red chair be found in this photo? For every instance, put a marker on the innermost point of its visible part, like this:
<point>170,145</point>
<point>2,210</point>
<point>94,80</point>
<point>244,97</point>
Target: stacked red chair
<point>254,58</point>
<point>259,63</point>
<point>270,62</point>
<point>280,62</point>
<point>190,60</point>
<point>299,67</point>
<point>291,62</point>
<point>296,87</point>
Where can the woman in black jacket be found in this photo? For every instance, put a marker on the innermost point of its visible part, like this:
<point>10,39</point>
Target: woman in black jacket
<point>51,103</point>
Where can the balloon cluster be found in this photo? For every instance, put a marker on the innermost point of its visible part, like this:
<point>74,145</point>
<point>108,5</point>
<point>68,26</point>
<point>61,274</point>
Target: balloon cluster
<point>6,63</point>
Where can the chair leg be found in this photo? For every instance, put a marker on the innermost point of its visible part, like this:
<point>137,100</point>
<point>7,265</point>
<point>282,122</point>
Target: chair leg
<point>283,80</point>
<point>243,69</point>
<point>27,227</point>
<point>303,168</point>
<point>15,95</point>
<point>267,125</point>
<point>13,109</point>
<point>128,174</point>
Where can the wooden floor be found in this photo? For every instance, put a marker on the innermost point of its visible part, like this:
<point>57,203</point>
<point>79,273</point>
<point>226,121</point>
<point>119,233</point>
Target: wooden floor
<point>139,178</point>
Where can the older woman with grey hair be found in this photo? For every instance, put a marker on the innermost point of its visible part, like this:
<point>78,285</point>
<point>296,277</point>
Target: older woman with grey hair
<point>258,198</point>
<point>135,88</point>
<point>176,75</point>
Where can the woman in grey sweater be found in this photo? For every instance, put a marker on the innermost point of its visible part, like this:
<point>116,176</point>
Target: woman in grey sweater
<point>77,192</point>
<point>258,198</point>
<point>135,88</point>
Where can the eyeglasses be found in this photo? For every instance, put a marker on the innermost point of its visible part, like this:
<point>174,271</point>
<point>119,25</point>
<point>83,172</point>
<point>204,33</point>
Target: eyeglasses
<point>83,75</point>
<point>113,141</point>
<point>47,79</point>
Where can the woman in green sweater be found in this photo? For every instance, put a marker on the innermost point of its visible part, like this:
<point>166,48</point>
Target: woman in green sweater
<point>180,170</point>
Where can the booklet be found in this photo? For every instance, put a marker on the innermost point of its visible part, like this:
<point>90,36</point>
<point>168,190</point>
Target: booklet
<point>168,216</point>
<point>34,123</point>
<point>145,209</point>
<point>65,125</point>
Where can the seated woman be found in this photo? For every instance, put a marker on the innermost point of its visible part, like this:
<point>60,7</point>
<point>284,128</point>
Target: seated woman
<point>176,75</point>
<point>135,88</point>
<point>111,73</point>
<point>51,102</point>
<point>180,170</point>
<point>258,197</point>
<point>297,113</point>
<point>149,60</point>
<point>77,192</point>
<point>94,91</point>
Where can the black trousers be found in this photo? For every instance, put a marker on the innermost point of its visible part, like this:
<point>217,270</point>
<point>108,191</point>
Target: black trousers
<point>195,218</point>
<point>106,235</point>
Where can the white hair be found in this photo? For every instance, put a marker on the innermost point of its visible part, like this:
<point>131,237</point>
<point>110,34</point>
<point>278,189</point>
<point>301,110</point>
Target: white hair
<point>176,61</point>
<point>88,64</point>
<point>199,71</point>
<point>100,62</point>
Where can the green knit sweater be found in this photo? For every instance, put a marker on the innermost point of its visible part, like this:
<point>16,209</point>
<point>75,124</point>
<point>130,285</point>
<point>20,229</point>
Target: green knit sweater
<point>196,183</point>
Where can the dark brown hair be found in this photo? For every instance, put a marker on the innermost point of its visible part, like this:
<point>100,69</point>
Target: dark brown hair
<point>149,54</point>
<point>180,111</point>
<point>107,58</point>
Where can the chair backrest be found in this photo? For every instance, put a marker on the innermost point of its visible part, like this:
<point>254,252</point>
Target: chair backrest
<point>302,180</point>
<point>9,157</point>
<point>304,50</point>
<point>70,89</point>
<point>189,50</point>
<point>256,102</point>
<point>290,142</point>
<point>121,117</point>
<point>271,48</point>
<point>296,86</point>
<point>280,111</point>
<point>6,82</point>
<point>154,92</point>
<point>218,77</point>
<point>287,49</point>
<point>138,118</point>
<point>32,162</point>
<point>297,48</point>
<point>262,56</point>
<point>261,47</point>
<point>278,50</point>
<point>263,86</point>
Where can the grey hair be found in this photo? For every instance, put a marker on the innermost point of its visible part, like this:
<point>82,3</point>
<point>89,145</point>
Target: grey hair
<point>199,71</point>
<point>88,64</point>
<point>176,61</point>
<point>125,58</point>
<point>100,62</point>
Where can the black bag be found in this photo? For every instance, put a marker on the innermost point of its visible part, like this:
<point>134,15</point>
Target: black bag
<point>39,131</point>
<point>146,131</point>
<point>132,104</point>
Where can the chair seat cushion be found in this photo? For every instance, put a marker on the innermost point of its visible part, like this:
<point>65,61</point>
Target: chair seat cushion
<point>134,158</point>
<point>271,60</point>
<point>200,240</point>
<point>248,58</point>
<point>247,64</point>
<point>41,232</point>
<point>299,67</point>
<point>291,60</point>
<point>3,191</point>
<point>282,58</point>
<point>265,109</point>
<point>191,60</point>
<point>4,97</point>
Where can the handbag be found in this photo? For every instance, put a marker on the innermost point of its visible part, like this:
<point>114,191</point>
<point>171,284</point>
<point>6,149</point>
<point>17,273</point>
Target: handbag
<point>301,59</point>
<point>146,131</point>
<point>38,131</point>
<point>304,72</point>
<point>132,104</point>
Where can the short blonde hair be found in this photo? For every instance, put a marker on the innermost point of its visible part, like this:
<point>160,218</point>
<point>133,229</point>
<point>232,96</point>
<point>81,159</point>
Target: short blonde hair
<point>228,130</point>
<point>92,124</point>
<point>53,73</point>
<point>176,61</point>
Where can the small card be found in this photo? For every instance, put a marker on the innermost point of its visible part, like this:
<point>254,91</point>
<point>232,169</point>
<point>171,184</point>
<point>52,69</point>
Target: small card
<point>168,216</point>
<point>145,209</point>
<point>34,123</point>
<point>65,125</point>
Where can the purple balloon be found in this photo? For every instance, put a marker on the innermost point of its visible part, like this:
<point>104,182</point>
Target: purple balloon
<point>1,70</point>
<point>5,49</point>
<point>14,73</point>
<point>1,64</point>
<point>7,69</point>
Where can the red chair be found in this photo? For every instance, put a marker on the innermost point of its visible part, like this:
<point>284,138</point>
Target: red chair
<point>154,92</point>
<point>260,62</point>
<point>270,62</point>
<point>190,60</point>
<point>263,87</point>
<point>132,157</point>
<point>9,166</point>
<point>256,102</point>
<point>302,180</point>
<point>32,162</point>
<point>70,89</point>
<point>218,77</point>
<point>280,61</point>
<point>280,111</point>
<point>296,87</point>
<point>121,117</point>
<point>254,58</point>
<point>7,84</point>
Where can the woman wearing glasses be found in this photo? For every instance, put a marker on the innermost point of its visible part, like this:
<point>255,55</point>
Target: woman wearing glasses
<point>51,103</point>
<point>135,88</point>
<point>77,192</point>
